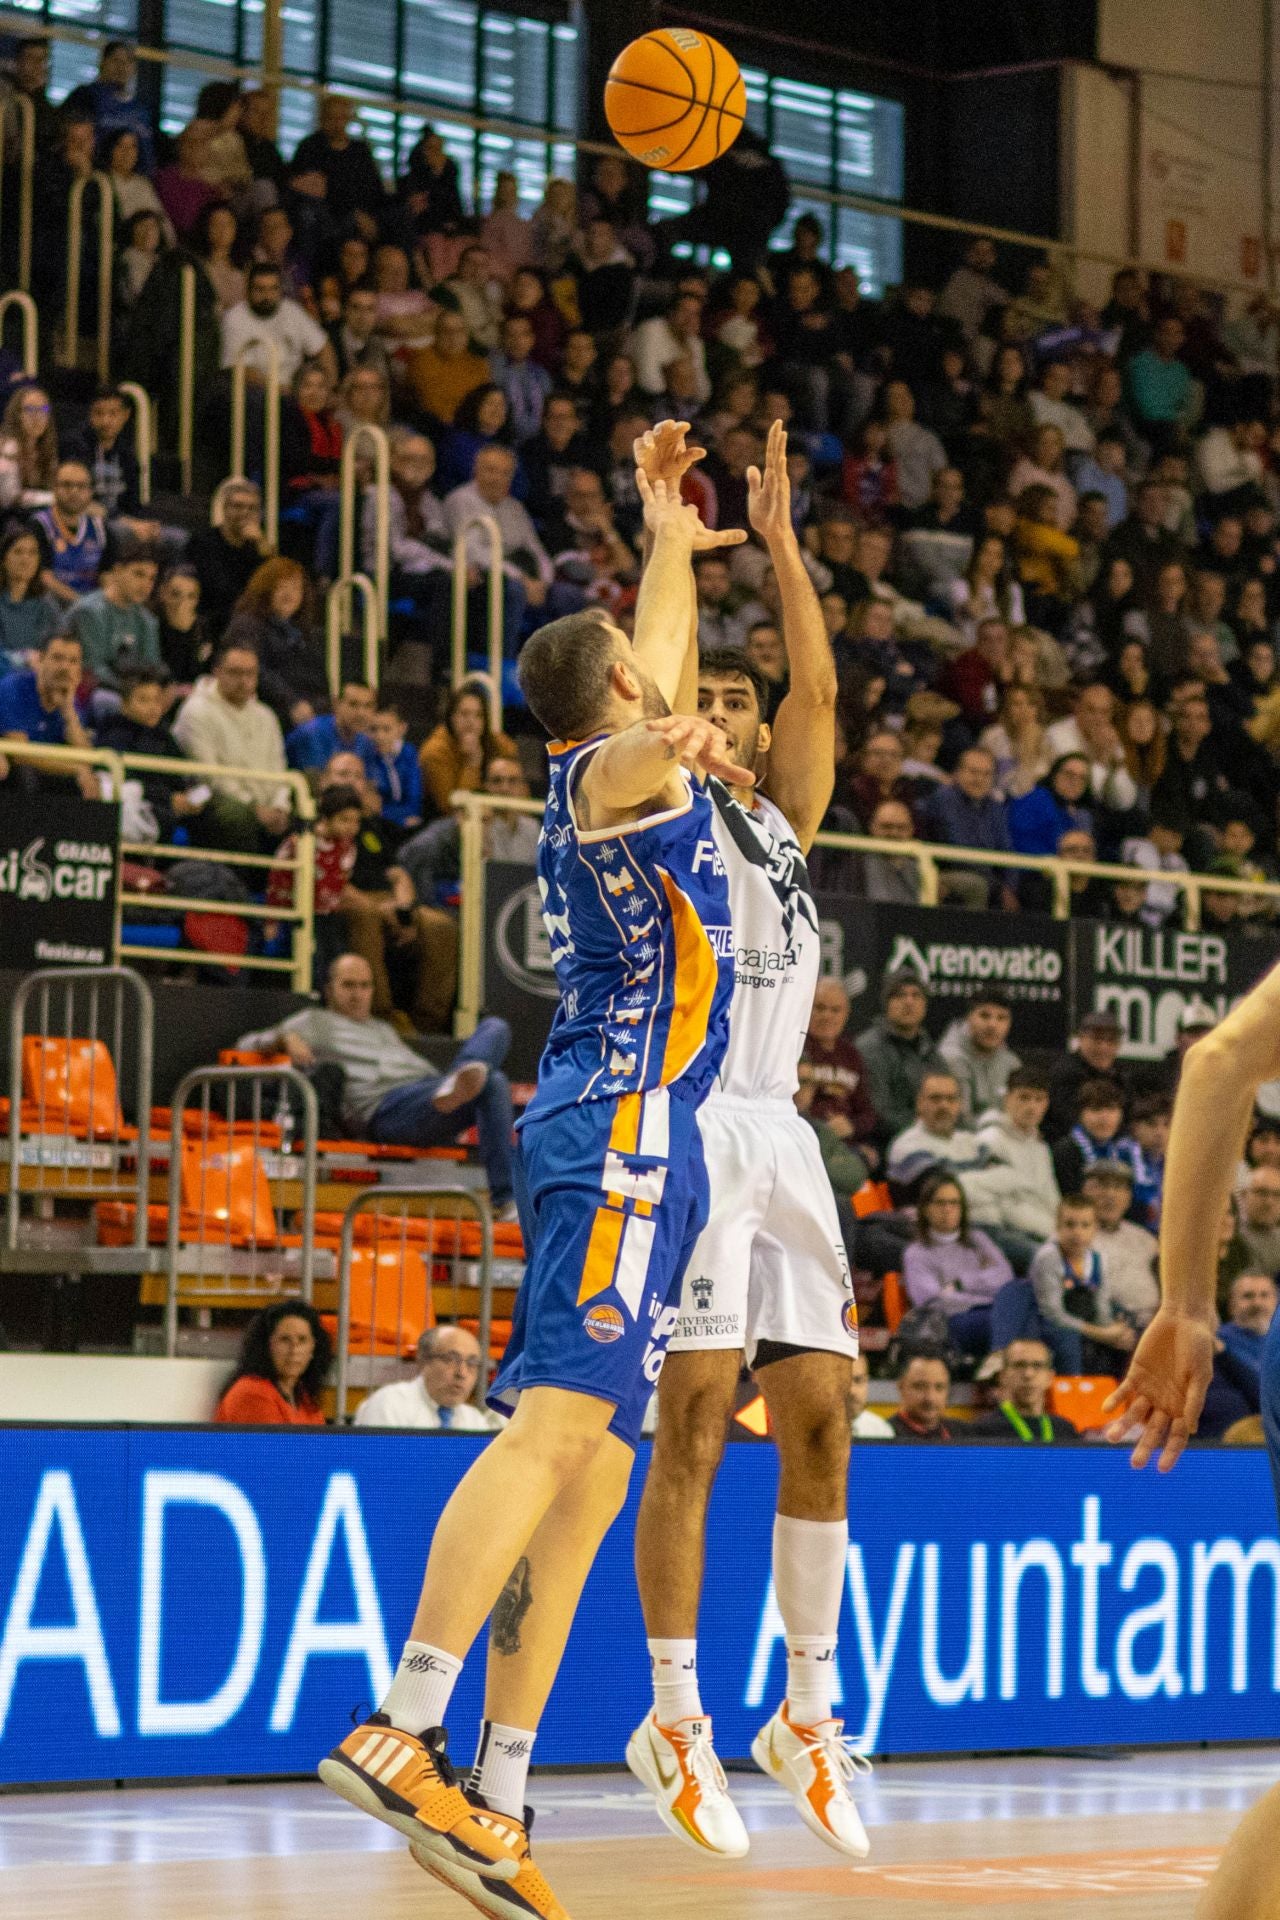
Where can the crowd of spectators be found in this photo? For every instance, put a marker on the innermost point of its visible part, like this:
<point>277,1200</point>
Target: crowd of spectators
<point>1044,531</point>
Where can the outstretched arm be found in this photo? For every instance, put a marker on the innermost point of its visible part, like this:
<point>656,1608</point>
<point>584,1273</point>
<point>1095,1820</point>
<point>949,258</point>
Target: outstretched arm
<point>639,770</point>
<point>662,454</point>
<point>802,757</point>
<point>1164,1388</point>
<point>662,610</point>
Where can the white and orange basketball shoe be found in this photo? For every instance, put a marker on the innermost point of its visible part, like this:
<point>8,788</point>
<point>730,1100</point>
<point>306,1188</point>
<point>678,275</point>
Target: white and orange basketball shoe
<point>815,1764</point>
<point>408,1783</point>
<point>679,1766</point>
<point>525,1897</point>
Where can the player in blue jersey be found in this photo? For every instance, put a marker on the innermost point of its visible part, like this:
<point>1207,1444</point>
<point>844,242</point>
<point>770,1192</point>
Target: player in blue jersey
<point>1163,1392</point>
<point>636,905</point>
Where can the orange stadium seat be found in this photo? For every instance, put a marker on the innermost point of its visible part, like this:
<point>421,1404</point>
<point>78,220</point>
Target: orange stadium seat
<point>1078,1397</point>
<point>70,1085</point>
<point>225,1185</point>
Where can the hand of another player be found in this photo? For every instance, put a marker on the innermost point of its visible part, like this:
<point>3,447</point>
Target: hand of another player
<point>665,512</point>
<point>769,493</point>
<point>701,747</point>
<point>661,453</point>
<point>1160,1398</point>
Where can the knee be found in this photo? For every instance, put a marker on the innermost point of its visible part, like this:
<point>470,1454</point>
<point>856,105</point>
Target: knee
<point>814,1439</point>
<point>691,1434</point>
<point>563,1451</point>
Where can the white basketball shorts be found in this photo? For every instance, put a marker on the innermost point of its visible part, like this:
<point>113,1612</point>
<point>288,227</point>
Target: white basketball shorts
<point>770,1263</point>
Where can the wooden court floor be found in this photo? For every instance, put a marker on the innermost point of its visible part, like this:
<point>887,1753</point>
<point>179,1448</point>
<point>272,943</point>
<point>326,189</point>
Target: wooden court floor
<point>1132,1837</point>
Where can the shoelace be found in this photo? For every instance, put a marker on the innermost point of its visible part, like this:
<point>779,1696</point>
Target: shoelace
<point>703,1764</point>
<point>837,1750</point>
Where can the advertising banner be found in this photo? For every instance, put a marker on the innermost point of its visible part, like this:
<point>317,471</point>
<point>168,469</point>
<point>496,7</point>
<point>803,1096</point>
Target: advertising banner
<point>1147,978</point>
<point>210,1602</point>
<point>519,981</point>
<point>59,868</point>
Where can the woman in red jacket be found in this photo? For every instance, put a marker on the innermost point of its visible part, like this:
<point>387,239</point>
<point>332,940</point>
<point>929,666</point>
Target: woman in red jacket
<point>282,1368</point>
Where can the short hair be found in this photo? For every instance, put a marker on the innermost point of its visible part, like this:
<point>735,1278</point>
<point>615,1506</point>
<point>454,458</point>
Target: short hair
<point>337,799</point>
<point>1027,1080</point>
<point>730,663</point>
<point>60,633</point>
<point>123,549</point>
<point>109,392</point>
<point>564,671</point>
<point>259,268</point>
<point>354,680</point>
<point>1156,1106</point>
<point>934,1359</point>
<point>134,677</point>
<point>1100,1093</point>
<point>1112,1173</point>
<point>1074,1203</point>
<point>234,646</point>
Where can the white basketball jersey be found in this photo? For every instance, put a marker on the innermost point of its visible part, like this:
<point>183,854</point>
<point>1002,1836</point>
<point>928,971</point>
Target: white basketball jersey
<point>776,948</point>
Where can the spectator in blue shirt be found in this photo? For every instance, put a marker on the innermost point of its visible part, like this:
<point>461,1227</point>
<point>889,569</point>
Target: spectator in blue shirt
<point>1102,471</point>
<point>39,705</point>
<point>112,101</point>
<point>311,746</point>
<point>73,533</point>
<point>1038,819</point>
<point>1253,1304</point>
<point>964,812</point>
<point>524,382</point>
<point>394,770</point>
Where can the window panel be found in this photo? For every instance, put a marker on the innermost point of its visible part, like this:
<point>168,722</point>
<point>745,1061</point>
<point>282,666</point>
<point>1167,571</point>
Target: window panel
<point>362,44</point>
<point>869,135</point>
<point>527,159</point>
<point>209,26</point>
<point>757,86</point>
<point>178,91</point>
<point>669,194</point>
<point>567,94</point>
<point>378,125</point>
<point>69,67</point>
<point>440,51</point>
<point>297,119</point>
<point>803,121</point>
<point>872,244</point>
<point>515,57</point>
<point>301,37</point>
<point>114,16</point>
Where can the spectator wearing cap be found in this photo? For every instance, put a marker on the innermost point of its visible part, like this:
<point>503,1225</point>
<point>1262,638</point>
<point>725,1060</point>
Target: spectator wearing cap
<point>1127,1250</point>
<point>1093,1055</point>
<point>1197,1018</point>
<point>975,1050</point>
<point>438,1397</point>
<point>1022,1412</point>
<point>1097,1135</point>
<point>898,1052</point>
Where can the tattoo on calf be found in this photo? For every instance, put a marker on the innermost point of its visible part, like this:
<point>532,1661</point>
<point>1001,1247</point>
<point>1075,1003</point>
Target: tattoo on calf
<point>510,1609</point>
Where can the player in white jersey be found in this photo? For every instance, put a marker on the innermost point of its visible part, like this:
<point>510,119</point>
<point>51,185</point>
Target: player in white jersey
<point>768,1277</point>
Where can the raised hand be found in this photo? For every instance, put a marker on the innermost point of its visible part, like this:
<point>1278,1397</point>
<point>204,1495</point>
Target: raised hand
<point>666,512</point>
<point>661,453</point>
<point>769,493</point>
<point>699,745</point>
<point>1160,1398</point>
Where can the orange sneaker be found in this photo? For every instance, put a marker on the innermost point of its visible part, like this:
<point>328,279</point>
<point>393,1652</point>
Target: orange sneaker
<point>815,1765</point>
<point>407,1782</point>
<point>524,1897</point>
<point>679,1766</point>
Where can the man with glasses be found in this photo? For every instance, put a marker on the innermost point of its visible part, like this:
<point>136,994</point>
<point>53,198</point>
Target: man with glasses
<point>72,535</point>
<point>1023,1412</point>
<point>438,1398</point>
<point>1260,1219</point>
<point>226,554</point>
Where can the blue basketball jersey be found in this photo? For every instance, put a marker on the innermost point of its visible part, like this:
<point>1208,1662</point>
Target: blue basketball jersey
<point>638,920</point>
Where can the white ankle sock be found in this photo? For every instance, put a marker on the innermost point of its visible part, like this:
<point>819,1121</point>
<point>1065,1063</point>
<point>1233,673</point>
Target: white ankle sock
<point>502,1766</point>
<point>674,1666</point>
<point>421,1689</point>
<point>809,1571</point>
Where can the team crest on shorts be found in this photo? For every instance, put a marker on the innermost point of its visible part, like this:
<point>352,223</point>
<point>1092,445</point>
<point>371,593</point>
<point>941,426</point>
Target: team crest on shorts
<point>849,1317</point>
<point>604,1324</point>
<point>703,1291</point>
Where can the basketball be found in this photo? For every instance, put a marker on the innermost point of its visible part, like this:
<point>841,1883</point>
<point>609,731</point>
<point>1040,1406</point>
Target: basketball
<point>675,99</point>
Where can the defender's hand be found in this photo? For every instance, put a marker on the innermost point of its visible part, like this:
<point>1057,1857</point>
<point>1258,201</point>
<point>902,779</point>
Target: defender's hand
<point>666,513</point>
<point>769,493</point>
<point>661,453</point>
<point>700,746</point>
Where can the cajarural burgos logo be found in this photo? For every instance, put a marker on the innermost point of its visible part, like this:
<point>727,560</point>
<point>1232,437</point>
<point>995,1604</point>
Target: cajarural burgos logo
<point>69,870</point>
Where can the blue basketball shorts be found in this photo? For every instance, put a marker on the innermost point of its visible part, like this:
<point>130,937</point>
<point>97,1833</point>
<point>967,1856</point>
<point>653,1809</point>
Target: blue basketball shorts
<point>613,1195</point>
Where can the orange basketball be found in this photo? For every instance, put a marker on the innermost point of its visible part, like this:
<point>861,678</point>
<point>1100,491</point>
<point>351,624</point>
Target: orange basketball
<point>675,99</point>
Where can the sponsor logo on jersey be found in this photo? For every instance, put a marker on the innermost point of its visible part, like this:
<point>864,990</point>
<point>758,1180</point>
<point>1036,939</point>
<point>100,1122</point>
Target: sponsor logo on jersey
<point>707,854</point>
<point>605,1325</point>
<point>849,1317</point>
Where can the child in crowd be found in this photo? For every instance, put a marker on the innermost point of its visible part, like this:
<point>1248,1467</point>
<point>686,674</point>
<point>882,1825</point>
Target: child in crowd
<point>338,819</point>
<point>140,727</point>
<point>1015,1189</point>
<point>394,770</point>
<point>1149,1122</point>
<point>1071,1306</point>
<point>1096,1136</point>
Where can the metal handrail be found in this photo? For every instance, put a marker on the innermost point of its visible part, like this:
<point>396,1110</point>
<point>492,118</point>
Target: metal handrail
<point>348,503</point>
<point>233,1077</point>
<point>369,1200</point>
<point>91,978</point>
<point>19,103</point>
<point>106,262</point>
<point>928,856</point>
<point>144,441</point>
<point>30,326</point>
<point>493,533</point>
<point>186,373</point>
<point>336,603</point>
<point>271,432</point>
